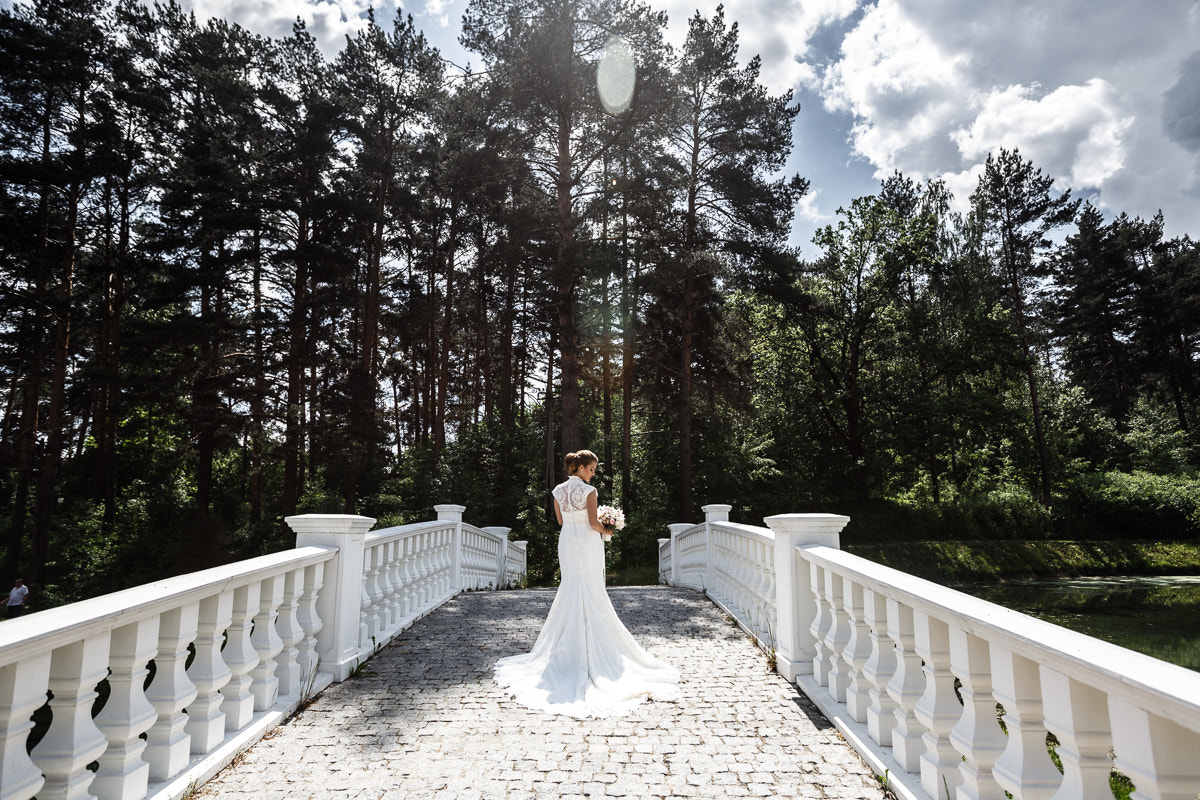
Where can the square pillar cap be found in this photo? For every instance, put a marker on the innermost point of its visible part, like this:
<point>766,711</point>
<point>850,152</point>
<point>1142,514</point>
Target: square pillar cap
<point>806,523</point>
<point>345,524</point>
<point>449,512</point>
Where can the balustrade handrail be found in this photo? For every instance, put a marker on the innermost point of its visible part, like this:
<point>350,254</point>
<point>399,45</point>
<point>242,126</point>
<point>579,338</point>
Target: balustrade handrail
<point>234,649</point>
<point>48,630</point>
<point>1162,688</point>
<point>913,673</point>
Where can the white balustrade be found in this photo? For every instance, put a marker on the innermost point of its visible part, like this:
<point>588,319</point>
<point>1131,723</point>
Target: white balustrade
<point>209,673</point>
<point>913,673</point>
<point>127,714</point>
<point>260,635</point>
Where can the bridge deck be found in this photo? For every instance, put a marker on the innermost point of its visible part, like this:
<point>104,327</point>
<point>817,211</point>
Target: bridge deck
<point>425,720</point>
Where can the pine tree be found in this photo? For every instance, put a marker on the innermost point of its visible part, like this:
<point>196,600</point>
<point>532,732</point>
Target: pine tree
<point>1016,210</point>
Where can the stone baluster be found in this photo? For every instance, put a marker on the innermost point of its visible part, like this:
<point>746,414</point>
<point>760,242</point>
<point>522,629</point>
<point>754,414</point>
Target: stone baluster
<point>423,560</point>
<point>821,623</point>
<point>1024,768</point>
<point>387,589</point>
<point>365,617</point>
<point>857,651</point>
<point>1077,715</point>
<point>676,528</point>
<point>264,685</point>
<point>905,688</point>
<point>241,657</point>
<point>518,561</point>
<point>838,636</point>
<point>127,714</point>
<point>502,556</point>
<point>287,663</point>
<point>168,745</point>
<point>399,586</point>
<point>410,578</point>
<point>1159,755</point>
<point>73,741</point>
<point>977,735</point>
<point>310,622</point>
<point>879,669</point>
<point>938,709</point>
<point>22,692</point>
<point>209,673</point>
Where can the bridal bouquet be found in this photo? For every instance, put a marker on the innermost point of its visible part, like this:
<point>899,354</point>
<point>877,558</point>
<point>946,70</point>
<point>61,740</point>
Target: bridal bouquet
<point>612,519</point>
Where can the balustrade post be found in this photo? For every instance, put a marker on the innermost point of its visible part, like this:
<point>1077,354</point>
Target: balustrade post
<point>905,688</point>
<point>240,656</point>
<point>264,683</point>
<point>310,623</point>
<point>168,745</point>
<point>73,740</point>
<point>795,602</point>
<point>1077,715</point>
<point>676,528</point>
<point>22,692</point>
<point>977,734</point>
<point>127,714</point>
<point>502,567</point>
<point>209,673</point>
<point>448,512</point>
<point>522,546</point>
<point>938,709</point>
<point>837,637</point>
<point>857,651</point>
<point>1158,754</point>
<point>287,663</point>
<point>713,512</point>
<point>879,669</point>
<point>1024,768</point>
<point>340,601</point>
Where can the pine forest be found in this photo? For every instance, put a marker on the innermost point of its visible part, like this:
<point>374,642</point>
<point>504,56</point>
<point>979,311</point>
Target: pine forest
<point>240,280</point>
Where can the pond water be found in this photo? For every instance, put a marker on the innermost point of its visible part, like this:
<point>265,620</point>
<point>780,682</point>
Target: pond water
<point>1159,616</point>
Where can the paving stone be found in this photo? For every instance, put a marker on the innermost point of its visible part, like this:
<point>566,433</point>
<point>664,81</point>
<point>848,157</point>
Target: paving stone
<point>425,720</point>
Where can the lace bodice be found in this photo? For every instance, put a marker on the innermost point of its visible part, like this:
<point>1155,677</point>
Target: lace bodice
<point>572,494</point>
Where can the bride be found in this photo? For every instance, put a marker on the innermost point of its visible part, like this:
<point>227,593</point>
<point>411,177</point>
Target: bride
<point>584,663</point>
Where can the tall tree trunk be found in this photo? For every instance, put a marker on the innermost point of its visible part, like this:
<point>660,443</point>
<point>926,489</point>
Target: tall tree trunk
<point>258,396</point>
<point>685,398</point>
<point>567,271</point>
<point>550,462</point>
<point>47,484</point>
<point>293,484</point>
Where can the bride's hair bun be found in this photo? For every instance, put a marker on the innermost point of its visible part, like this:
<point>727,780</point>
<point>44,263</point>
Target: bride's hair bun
<point>573,461</point>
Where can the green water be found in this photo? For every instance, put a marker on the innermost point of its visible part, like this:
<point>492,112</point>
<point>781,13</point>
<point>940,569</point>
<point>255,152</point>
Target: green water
<point>1157,616</point>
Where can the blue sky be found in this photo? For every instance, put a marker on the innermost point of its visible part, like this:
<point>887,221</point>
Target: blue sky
<point>1103,95</point>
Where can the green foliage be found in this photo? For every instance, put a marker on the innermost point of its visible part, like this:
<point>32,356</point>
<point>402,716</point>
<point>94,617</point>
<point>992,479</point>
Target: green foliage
<point>1133,505</point>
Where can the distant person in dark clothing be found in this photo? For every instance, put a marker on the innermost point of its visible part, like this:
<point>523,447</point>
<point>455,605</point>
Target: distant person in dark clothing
<point>16,598</point>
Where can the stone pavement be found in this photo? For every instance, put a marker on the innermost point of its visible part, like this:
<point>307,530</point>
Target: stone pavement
<point>425,720</point>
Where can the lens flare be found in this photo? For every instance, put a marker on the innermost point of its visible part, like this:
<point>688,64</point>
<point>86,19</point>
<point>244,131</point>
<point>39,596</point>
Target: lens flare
<point>616,75</point>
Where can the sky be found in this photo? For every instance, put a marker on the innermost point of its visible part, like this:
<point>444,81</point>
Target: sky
<point>1102,95</point>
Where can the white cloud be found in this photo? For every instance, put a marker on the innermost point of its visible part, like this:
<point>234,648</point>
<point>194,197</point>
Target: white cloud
<point>779,32</point>
<point>934,86</point>
<point>1074,131</point>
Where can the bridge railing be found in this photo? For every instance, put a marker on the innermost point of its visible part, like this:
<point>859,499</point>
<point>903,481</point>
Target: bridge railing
<point>946,694</point>
<point>149,691</point>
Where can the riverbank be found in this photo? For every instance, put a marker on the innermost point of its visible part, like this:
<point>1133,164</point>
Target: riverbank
<point>958,562</point>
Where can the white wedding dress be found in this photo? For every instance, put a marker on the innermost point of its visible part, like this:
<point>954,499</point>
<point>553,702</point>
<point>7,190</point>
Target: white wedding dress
<point>584,663</point>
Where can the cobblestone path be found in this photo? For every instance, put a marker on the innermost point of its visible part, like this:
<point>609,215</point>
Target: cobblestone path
<point>425,720</point>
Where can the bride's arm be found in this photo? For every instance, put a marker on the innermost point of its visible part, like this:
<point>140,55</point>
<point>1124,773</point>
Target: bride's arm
<point>557,510</point>
<point>593,519</point>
